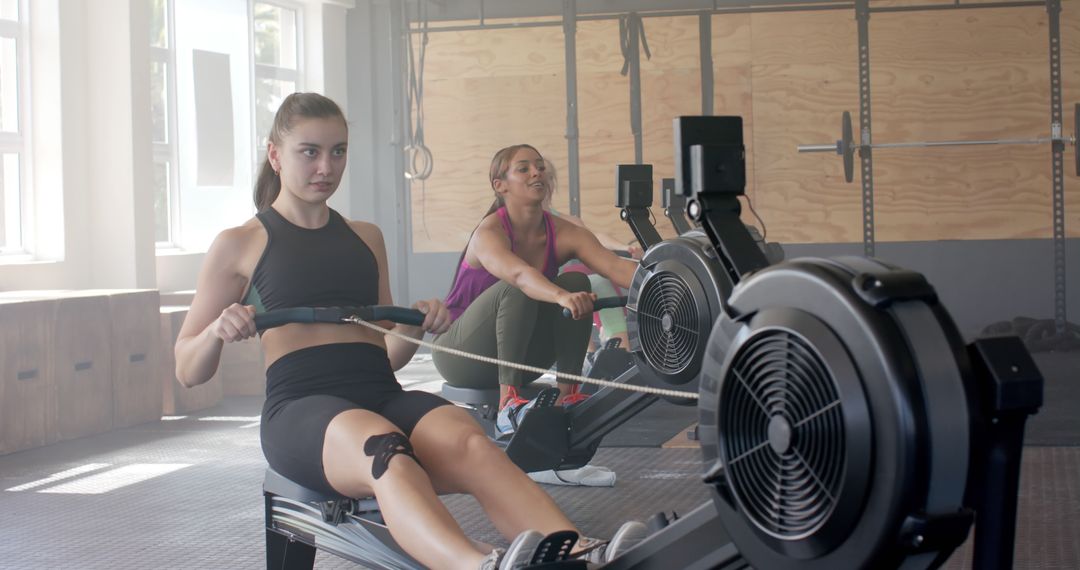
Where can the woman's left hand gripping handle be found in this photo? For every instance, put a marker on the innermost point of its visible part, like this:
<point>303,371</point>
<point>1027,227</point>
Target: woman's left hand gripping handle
<point>236,323</point>
<point>436,315</point>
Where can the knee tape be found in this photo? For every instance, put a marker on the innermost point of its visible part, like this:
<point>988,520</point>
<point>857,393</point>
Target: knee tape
<point>384,447</point>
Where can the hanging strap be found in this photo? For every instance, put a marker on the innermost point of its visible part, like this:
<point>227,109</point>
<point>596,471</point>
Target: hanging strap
<point>631,34</point>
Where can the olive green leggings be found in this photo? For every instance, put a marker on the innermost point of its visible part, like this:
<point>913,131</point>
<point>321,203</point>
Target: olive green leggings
<point>506,324</point>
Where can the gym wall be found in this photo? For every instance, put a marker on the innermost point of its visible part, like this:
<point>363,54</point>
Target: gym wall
<point>939,75</point>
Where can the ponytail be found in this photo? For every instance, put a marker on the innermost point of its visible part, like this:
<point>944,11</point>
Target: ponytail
<point>267,186</point>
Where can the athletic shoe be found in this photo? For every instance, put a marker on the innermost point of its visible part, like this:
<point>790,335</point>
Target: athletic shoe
<point>491,561</point>
<point>520,552</point>
<point>574,396</point>
<point>513,413</point>
<point>628,536</point>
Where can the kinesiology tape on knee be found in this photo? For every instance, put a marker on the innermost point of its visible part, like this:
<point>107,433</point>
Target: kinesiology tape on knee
<point>384,447</point>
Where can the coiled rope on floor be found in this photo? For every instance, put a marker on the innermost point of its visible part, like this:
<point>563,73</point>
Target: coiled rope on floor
<point>525,367</point>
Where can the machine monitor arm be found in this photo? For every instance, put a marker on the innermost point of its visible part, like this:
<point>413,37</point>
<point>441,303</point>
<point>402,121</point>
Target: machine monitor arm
<point>633,194</point>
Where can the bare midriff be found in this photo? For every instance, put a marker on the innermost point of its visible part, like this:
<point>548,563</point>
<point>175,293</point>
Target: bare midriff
<point>278,342</point>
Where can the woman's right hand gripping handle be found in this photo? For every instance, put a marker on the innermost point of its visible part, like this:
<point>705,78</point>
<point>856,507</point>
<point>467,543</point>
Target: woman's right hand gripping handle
<point>579,304</point>
<point>235,323</point>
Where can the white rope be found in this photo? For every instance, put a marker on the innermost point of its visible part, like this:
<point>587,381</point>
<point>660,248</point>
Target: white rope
<point>526,367</point>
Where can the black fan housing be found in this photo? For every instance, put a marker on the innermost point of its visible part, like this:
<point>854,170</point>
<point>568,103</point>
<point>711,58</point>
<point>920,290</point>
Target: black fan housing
<point>672,304</point>
<point>835,418</point>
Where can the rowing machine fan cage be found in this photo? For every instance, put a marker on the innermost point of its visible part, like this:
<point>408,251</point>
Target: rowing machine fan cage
<point>673,301</point>
<point>836,418</point>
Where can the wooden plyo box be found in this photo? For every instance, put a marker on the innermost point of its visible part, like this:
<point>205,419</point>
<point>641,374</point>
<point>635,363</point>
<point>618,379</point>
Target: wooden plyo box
<point>177,399</point>
<point>82,365</point>
<point>177,298</point>
<point>27,383</point>
<point>241,369</point>
<point>136,356</point>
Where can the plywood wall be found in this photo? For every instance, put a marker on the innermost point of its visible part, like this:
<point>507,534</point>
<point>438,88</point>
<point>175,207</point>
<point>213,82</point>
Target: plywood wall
<point>951,74</point>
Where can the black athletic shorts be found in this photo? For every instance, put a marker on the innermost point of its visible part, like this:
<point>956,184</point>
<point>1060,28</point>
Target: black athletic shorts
<point>307,388</point>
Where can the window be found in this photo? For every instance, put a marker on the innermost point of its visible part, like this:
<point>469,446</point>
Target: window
<point>219,71</point>
<point>276,51</point>
<point>163,108</point>
<point>14,95</point>
<point>212,46</point>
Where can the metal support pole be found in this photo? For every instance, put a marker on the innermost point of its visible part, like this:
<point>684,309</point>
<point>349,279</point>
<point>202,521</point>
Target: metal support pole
<point>573,177</point>
<point>866,155</point>
<point>1053,8</point>
<point>399,34</point>
<point>705,40</point>
<point>633,46</point>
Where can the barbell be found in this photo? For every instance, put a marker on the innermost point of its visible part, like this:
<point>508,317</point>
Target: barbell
<point>847,146</point>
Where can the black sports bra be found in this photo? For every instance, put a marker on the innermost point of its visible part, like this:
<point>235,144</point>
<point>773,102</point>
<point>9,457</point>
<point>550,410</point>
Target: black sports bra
<point>324,267</point>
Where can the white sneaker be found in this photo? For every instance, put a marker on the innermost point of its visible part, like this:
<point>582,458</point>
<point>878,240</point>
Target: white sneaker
<point>628,536</point>
<point>520,552</point>
<point>491,561</point>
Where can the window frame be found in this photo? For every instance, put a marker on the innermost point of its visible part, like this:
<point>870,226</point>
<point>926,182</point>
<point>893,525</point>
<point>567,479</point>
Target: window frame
<point>20,142</point>
<point>266,71</point>
<point>167,152</point>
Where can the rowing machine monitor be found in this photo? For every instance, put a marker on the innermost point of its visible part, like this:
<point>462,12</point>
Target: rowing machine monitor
<point>633,193</point>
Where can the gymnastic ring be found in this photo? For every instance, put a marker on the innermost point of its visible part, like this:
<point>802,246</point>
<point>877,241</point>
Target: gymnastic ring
<point>413,153</point>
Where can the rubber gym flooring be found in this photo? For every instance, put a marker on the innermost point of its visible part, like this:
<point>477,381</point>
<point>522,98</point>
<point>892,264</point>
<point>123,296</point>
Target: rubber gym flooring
<point>185,493</point>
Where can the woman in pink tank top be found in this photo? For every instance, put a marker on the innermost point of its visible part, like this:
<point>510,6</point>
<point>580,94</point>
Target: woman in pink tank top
<point>507,297</point>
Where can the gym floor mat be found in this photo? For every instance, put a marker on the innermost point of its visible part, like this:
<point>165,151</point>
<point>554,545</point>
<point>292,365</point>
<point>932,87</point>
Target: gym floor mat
<point>206,511</point>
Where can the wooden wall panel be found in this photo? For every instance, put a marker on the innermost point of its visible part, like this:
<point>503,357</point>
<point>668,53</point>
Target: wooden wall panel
<point>962,192</point>
<point>946,74</point>
<point>810,38</point>
<point>991,34</point>
<point>946,101</point>
<point>802,197</point>
<point>484,92</point>
<point>27,385</point>
<point>598,47</point>
<point>468,121</point>
<point>673,43</point>
<point>976,194</point>
<point>607,140</point>
<point>494,53</point>
<point>977,75</point>
<point>604,102</point>
<point>803,75</point>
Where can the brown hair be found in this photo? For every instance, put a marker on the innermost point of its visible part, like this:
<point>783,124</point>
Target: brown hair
<point>297,105</point>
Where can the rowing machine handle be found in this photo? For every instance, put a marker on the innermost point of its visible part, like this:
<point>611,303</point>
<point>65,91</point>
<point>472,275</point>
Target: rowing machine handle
<point>279,317</point>
<point>601,303</point>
